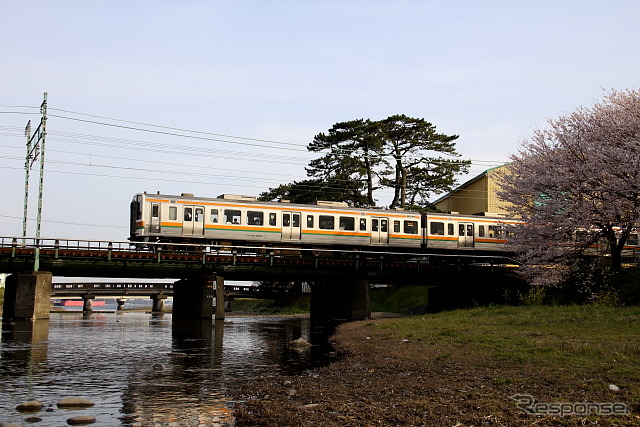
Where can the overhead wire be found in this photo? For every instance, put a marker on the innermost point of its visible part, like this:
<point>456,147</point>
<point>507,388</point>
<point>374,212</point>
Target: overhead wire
<point>177,129</point>
<point>234,180</point>
<point>67,222</point>
<point>167,148</point>
<point>298,147</point>
<point>202,138</point>
<point>155,147</point>
<point>162,148</point>
<point>200,155</point>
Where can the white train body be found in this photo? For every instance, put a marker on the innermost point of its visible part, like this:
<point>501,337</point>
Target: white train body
<point>244,221</point>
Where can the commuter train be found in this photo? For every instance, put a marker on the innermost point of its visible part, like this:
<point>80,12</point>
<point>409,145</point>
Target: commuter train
<point>243,221</point>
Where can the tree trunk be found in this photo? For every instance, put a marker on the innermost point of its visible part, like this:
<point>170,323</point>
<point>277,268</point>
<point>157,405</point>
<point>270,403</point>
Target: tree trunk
<point>397,183</point>
<point>403,197</point>
<point>367,165</point>
<point>616,246</point>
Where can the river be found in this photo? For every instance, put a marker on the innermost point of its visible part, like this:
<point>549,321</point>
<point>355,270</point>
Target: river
<point>142,369</point>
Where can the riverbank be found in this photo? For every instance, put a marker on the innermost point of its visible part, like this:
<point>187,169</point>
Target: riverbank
<point>463,368</point>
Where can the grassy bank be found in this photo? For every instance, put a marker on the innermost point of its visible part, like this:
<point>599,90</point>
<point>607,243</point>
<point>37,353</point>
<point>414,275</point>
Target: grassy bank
<point>296,305</point>
<point>462,368</point>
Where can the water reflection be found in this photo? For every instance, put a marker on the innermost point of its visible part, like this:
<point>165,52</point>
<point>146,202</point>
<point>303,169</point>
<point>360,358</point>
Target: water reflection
<point>29,349</point>
<point>143,369</point>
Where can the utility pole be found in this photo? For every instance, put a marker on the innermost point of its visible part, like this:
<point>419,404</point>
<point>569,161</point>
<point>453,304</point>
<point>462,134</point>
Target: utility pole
<point>35,151</point>
<point>27,167</point>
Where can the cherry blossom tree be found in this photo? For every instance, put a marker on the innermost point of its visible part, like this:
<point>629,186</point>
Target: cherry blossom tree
<point>576,185</point>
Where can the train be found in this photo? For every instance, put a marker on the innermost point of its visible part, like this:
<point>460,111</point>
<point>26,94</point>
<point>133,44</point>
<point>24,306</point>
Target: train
<point>244,221</point>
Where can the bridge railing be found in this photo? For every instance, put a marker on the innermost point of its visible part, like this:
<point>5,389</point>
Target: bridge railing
<point>245,251</point>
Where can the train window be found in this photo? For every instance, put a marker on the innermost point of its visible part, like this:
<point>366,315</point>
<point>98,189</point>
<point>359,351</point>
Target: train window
<point>411,227</point>
<point>451,229</point>
<point>272,219</point>
<point>199,214</point>
<point>231,216</point>
<point>436,228</point>
<point>632,240</point>
<point>461,230</point>
<point>363,224</point>
<point>255,218</point>
<point>286,220</point>
<point>396,226</point>
<point>214,215</point>
<point>326,222</point>
<point>309,221</point>
<point>188,214</point>
<point>296,220</point>
<point>384,226</point>
<point>138,206</point>
<point>155,210</point>
<point>374,225</point>
<point>495,231</point>
<point>347,223</point>
<point>481,231</point>
<point>173,213</point>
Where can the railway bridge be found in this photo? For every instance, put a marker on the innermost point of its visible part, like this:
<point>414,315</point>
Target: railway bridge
<point>156,291</point>
<point>339,279</point>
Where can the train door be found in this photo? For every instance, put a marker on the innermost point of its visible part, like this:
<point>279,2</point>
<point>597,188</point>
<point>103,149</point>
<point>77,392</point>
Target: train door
<point>193,221</point>
<point>154,224</point>
<point>290,225</point>
<point>379,231</point>
<point>465,234</point>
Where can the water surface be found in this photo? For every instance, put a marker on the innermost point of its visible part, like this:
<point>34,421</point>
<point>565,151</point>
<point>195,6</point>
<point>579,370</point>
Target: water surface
<point>142,369</point>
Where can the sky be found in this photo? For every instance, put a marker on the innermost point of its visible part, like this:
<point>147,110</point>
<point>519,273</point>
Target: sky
<point>213,97</point>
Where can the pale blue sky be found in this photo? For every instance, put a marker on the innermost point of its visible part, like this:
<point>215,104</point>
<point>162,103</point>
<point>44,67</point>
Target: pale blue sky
<point>490,71</point>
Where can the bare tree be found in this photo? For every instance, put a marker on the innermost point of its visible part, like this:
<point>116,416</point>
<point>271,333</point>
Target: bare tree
<point>576,185</point>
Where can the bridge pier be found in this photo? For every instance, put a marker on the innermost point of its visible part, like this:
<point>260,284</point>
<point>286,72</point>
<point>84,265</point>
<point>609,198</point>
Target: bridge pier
<point>27,296</point>
<point>121,302</point>
<point>88,302</point>
<point>193,298</point>
<point>333,303</point>
<point>220,303</point>
<point>158,303</point>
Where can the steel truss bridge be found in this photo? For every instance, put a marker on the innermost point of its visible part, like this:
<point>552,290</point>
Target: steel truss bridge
<point>91,258</point>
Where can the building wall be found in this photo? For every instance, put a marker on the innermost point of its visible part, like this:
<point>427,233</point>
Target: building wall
<point>477,195</point>
<point>494,204</point>
<point>470,199</point>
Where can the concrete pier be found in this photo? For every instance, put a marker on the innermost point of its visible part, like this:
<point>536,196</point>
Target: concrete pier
<point>220,306</point>
<point>27,296</point>
<point>193,298</point>
<point>336,302</point>
<point>88,302</point>
<point>158,303</point>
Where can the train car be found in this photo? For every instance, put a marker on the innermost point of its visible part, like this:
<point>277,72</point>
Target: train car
<point>465,232</point>
<point>242,220</point>
<point>245,221</point>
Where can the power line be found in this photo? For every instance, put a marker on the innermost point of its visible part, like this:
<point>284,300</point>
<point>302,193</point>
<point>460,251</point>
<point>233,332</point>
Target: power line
<point>177,134</point>
<point>233,180</point>
<point>67,222</point>
<point>385,191</point>
<point>342,151</point>
<point>177,129</point>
